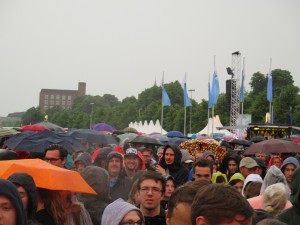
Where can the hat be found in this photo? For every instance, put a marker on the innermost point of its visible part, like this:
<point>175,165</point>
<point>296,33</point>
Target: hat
<point>85,158</point>
<point>290,160</point>
<point>248,162</point>
<point>260,162</point>
<point>186,157</point>
<point>131,151</point>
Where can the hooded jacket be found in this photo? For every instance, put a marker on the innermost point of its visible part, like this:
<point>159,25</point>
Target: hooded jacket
<point>291,216</point>
<point>98,179</point>
<point>176,169</point>
<point>9,190</point>
<point>114,212</point>
<point>27,182</point>
<point>85,158</point>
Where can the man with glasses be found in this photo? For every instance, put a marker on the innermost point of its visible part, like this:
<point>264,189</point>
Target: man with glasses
<point>151,186</point>
<point>56,155</point>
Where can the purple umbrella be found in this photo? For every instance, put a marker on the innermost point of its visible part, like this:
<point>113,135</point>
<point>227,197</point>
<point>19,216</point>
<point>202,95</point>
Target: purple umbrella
<point>103,127</point>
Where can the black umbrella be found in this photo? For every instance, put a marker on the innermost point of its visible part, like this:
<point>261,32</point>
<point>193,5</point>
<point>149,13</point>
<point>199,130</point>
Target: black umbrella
<point>240,142</point>
<point>257,139</point>
<point>92,136</point>
<point>38,141</point>
<point>145,140</point>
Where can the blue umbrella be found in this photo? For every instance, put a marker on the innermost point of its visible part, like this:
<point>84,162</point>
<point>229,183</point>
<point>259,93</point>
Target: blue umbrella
<point>92,136</point>
<point>172,134</point>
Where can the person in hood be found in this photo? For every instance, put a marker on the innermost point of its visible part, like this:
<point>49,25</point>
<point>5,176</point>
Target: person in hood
<point>291,216</point>
<point>288,168</point>
<point>28,192</point>
<point>82,161</point>
<point>11,208</point>
<point>121,212</point>
<point>170,164</point>
<point>95,204</point>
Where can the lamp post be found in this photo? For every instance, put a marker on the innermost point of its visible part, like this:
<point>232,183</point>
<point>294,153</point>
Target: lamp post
<point>140,114</point>
<point>91,115</point>
<point>191,90</point>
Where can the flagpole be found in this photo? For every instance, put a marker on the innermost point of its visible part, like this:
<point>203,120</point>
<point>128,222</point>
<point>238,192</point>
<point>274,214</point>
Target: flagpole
<point>208,106</point>
<point>162,106</point>
<point>184,124</point>
<point>213,108</point>
<point>270,104</point>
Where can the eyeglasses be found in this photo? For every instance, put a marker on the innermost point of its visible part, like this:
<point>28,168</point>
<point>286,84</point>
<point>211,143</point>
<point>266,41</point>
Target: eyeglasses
<point>140,222</point>
<point>52,160</point>
<point>154,190</point>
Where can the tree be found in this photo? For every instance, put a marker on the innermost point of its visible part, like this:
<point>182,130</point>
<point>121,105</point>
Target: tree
<point>32,116</point>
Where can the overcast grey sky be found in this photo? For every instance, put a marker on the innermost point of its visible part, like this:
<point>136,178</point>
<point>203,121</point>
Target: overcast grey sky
<point>121,47</point>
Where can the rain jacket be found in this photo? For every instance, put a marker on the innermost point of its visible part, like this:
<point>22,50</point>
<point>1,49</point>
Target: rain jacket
<point>176,170</point>
<point>27,182</point>
<point>10,191</point>
<point>251,178</point>
<point>98,179</point>
<point>291,216</point>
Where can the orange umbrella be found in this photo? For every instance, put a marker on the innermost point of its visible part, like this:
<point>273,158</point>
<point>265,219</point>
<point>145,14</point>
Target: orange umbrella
<point>46,175</point>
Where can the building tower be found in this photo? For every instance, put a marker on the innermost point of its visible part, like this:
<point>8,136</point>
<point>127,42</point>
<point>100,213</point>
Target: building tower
<point>235,90</point>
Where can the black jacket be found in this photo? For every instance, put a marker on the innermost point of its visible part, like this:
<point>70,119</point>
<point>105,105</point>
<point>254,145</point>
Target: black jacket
<point>121,189</point>
<point>176,170</point>
<point>157,220</point>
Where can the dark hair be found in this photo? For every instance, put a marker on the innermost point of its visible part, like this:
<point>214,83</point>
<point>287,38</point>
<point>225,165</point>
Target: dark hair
<point>185,194</point>
<point>252,189</point>
<point>234,182</point>
<point>218,203</point>
<point>204,163</point>
<point>152,175</point>
<point>62,151</point>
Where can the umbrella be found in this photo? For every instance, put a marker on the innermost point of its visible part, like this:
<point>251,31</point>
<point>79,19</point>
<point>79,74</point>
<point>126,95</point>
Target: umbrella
<point>130,130</point>
<point>37,141</point>
<point>126,137</point>
<point>46,175</point>
<point>172,134</point>
<point>177,141</point>
<point>273,146</point>
<point>103,127</point>
<point>158,136</point>
<point>240,142</point>
<point>204,145</point>
<point>6,132</point>
<point>51,126</point>
<point>257,139</point>
<point>33,127</point>
<point>145,140</point>
<point>92,136</point>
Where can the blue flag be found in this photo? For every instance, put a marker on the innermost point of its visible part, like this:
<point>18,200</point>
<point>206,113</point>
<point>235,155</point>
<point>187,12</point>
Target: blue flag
<point>209,96</point>
<point>270,86</point>
<point>165,97</point>
<point>186,99</point>
<point>215,89</point>
<point>242,87</point>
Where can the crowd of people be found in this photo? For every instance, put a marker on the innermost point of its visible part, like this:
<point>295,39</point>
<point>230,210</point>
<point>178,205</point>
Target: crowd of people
<point>143,184</point>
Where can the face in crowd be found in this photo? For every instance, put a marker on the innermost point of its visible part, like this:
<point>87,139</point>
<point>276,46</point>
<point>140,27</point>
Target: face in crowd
<point>53,157</point>
<point>114,167</point>
<point>169,156</point>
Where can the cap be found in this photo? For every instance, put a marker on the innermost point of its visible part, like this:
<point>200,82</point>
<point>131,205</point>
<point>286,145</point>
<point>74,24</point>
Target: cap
<point>131,151</point>
<point>248,162</point>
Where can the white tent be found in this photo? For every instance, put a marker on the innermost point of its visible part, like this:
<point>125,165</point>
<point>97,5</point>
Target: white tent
<point>147,128</point>
<point>212,125</point>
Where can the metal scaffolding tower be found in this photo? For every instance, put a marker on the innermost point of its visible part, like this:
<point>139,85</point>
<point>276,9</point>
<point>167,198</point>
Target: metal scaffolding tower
<point>235,90</point>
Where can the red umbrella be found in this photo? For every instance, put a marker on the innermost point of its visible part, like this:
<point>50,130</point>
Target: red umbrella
<point>33,127</point>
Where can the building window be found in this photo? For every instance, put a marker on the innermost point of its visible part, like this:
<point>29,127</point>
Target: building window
<point>63,102</point>
<point>46,102</point>
<point>63,97</point>
<point>57,102</point>
<point>51,96</point>
<point>46,96</point>
<point>57,96</point>
<point>69,97</point>
<point>68,102</point>
<point>52,102</point>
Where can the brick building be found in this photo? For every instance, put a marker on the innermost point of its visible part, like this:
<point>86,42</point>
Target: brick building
<point>64,99</point>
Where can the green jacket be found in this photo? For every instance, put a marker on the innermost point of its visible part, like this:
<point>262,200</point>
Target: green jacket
<point>291,216</point>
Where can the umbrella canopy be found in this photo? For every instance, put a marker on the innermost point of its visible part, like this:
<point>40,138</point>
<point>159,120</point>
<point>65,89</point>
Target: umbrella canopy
<point>46,175</point>
<point>92,136</point>
<point>240,142</point>
<point>177,141</point>
<point>145,140</point>
<point>273,146</point>
<point>257,139</point>
<point>204,145</point>
<point>33,127</point>
<point>130,130</point>
<point>172,134</point>
<point>161,138</point>
<point>51,126</point>
<point>103,127</point>
<point>37,141</point>
<point>6,132</point>
<point>126,137</point>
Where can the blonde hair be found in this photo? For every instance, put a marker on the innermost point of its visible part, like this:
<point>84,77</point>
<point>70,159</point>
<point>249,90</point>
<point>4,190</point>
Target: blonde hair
<point>275,198</point>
